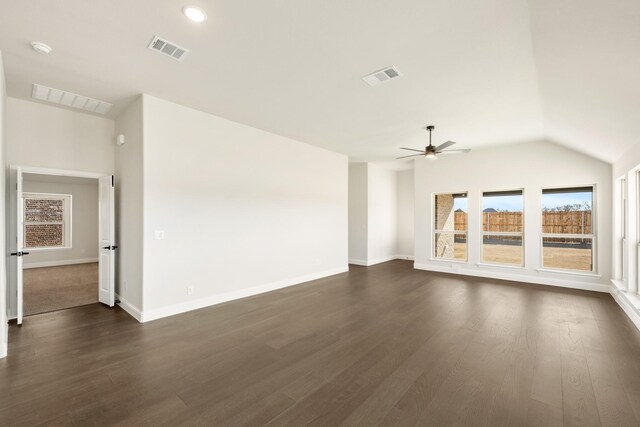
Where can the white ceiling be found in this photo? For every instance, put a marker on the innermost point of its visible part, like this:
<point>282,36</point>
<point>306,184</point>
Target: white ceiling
<point>485,72</point>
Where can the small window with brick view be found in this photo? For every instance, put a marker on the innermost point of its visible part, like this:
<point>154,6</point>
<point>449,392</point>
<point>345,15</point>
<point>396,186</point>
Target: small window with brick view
<point>47,222</point>
<point>450,226</point>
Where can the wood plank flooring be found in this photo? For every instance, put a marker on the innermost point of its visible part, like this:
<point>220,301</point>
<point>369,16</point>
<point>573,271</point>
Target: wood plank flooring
<point>381,345</point>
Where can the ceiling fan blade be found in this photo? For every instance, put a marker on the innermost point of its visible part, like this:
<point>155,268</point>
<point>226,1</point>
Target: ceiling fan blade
<point>413,155</point>
<point>445,145</point>
<point>412,149</point>
<point>454,151</point>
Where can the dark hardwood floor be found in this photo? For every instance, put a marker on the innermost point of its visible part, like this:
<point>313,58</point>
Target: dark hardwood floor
<point>383,345</point>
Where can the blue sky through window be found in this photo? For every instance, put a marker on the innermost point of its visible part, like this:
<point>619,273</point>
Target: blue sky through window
<point>503,203</point>
<point>515,203</point>
<point>550,201</point>
<point>460,203</point>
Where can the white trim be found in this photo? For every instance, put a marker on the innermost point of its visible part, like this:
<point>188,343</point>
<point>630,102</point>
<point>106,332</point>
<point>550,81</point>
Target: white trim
<point>60,172</point>
<point>58,263</point>
<point>578,273</point>
<point>133,311</point>
<point>449,260</point>
<point>629,303</point>
<point>368,263</point>
<point>365,263</point>
<point>158,313</point>
<point>5,343</point>
<point>550,281</point>
<point>500,265</point>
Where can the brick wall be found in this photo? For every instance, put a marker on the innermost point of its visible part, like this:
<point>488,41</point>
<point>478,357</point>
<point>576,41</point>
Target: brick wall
<point>43,211</point>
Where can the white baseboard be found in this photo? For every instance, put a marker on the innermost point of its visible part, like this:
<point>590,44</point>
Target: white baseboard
<point>629,303</point>
<point>369,263</point>
<point>5,342</point>
<point>58,263</point>
<point>158,313</point>
<point>523,278</point>
<point>134,311</point>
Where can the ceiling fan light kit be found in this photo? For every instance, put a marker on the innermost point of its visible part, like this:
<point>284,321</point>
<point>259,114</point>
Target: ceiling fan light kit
<point>430,151</point>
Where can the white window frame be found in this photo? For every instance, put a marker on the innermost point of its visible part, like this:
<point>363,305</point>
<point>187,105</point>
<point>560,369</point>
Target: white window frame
<point>592,236</point>
<point>435,231</point>
<point>501,233</point>
<point>67,204</point>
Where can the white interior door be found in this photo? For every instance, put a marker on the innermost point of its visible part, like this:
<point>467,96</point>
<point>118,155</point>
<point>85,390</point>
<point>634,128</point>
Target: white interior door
<point>107,241</point>
<point>17,255</point>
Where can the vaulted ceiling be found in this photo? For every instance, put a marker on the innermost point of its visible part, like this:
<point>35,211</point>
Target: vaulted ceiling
<point>485,72</point>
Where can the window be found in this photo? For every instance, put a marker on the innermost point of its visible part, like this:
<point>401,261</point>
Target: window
<point>47,220</point>
<point>502,231</point>
<point>450,226</point>
<point>567,228</point>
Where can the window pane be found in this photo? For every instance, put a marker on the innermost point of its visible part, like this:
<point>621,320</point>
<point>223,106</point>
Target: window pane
<point>502,211</point>
<point>42,235</point>
<point>567,211</point>
<point>567,253</point>
<point>451,212</point>
<point>43,210</point>
<point>502,249</point>
<point>451,246</point>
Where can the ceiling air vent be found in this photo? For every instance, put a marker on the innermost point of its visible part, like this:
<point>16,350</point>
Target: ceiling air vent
<point>68,99</point>
<point>167,48</point>
<point>381,76</point>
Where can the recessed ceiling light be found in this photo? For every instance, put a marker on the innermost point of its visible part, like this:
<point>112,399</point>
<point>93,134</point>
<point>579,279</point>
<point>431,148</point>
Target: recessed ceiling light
<point>194,13</point>
<point>41,48</point>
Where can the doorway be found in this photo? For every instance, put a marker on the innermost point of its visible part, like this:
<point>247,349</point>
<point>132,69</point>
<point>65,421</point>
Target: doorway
<point>64,240</point>
<point>60,216</point>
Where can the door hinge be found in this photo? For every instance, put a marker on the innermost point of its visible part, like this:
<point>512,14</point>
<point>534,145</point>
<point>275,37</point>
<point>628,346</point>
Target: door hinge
<point>113,181</point>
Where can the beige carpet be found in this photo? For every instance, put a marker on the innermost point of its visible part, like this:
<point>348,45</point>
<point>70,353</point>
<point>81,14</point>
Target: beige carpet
<point>56,288</point>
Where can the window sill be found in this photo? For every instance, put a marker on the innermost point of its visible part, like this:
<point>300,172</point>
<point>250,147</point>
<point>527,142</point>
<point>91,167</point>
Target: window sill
<point>57,248</point>
<point>569,272</point>
<point>512,267</point>
<point>445,260</point>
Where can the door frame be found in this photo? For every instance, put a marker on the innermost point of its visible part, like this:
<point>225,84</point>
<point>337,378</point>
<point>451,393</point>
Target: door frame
<point>12,232</point>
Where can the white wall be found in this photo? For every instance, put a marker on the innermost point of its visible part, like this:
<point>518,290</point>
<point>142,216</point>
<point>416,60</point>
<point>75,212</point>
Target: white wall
<point>84,221</point>
<point>382,222</point>
<point>51,137</point>
<point>627,167</point>
<point>625,252</point>
<point>531,166</point>
<point>3,253</point>
<point>373,214</point>
<point>358,212</point>
<point>405,214</point>
<point>243,210</point>
<point>129,206</point>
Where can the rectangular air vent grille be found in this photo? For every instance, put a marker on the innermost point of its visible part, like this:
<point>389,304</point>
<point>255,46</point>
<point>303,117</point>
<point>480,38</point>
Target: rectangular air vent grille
<point>167,48</point>
<point>381,76</point>
<point>68,99</point>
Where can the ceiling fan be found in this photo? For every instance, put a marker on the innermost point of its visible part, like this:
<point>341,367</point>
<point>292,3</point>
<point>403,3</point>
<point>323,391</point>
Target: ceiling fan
<point>431,152</point>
